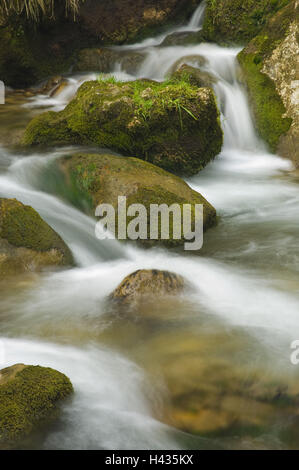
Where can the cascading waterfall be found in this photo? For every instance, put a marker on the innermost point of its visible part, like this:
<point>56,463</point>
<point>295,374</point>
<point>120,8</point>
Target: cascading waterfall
<point>236,279</point>
<point>197,19</point>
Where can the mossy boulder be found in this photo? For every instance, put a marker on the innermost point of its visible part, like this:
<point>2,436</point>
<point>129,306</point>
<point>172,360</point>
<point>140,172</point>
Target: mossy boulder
<point>237,21</point>
<point>269,67</point>
<point>173,125</point>
<point>147,283</point>
<point>29,398</point>
<point>103,178</point>
<point>27,242</point>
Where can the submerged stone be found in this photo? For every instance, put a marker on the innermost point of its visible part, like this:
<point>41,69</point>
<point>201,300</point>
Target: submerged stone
<point>212,388</point>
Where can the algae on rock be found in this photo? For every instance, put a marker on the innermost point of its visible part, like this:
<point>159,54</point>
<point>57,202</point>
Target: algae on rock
<point>237,21</point>
<point>27,242</point>
<point>101,179</point>
<point>269,67</point>
<point>29,398</point>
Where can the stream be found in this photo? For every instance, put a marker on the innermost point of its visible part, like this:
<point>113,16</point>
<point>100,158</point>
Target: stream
<point>239,320</point>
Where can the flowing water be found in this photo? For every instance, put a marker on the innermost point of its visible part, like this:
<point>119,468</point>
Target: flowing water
<point>130,372</point>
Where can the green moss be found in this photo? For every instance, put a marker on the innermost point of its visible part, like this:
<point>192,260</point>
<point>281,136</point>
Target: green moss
<point>47,129</point>
<point>267,105</point>
<point>193,76</point>
<point>237,21</point>
<point>102,178</point>
<point>28,398</point>
<point>22,226</point>
<point>172,124</point>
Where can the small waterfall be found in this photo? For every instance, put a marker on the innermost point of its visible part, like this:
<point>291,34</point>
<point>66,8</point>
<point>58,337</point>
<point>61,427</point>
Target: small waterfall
<point>197,17</point>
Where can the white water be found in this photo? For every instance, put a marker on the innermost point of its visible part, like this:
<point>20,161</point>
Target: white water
<point>247,275</point>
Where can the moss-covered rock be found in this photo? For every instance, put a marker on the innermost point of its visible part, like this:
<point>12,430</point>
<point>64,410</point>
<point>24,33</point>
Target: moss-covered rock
<point>29,398</point>
<point>27,243</point>
<point>103,178</point>
<point>147,283</point>
<point>173,125</point>
<point>269,66</point>
<point>237,21</point>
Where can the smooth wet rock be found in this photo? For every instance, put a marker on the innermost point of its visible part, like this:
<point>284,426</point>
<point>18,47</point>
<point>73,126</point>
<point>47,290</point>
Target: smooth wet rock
<point>99,179</point>
<point>194,60</point>
<point>29,398</point>
<point>104,60</point>
<point>269,65</point>
<point>182,38</point>
<point>173,125</point>
<point>27,243</point>
<point>148,283</point>
<point>194,76</point>
<point>51,86</point>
